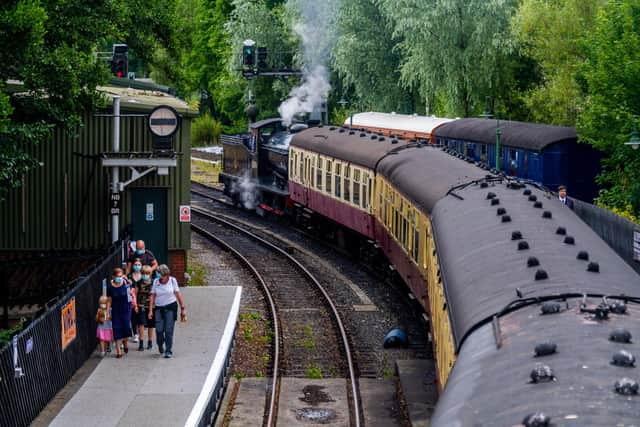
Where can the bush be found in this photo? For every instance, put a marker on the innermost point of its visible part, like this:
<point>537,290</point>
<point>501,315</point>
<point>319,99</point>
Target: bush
<point>205,130</point>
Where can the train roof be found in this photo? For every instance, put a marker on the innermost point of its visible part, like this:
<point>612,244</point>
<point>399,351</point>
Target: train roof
<point>492,386</point>
<point>425,174</point>
<point>483,268</point>
<point>394,121</point>
<point>265,122</point>
<point>355,146</point>
<point>530,136</point>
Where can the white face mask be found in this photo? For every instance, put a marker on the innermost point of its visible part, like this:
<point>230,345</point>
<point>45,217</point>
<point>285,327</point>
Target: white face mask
<point>103,305</point>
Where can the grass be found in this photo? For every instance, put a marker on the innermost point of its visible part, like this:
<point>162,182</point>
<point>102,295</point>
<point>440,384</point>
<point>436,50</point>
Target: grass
<point>205,173</point>
<point>308,341</point>
<point>197,271</point>
<point>313,372</point>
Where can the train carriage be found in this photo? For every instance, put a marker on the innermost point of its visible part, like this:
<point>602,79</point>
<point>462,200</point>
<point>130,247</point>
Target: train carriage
<point>407,126</point>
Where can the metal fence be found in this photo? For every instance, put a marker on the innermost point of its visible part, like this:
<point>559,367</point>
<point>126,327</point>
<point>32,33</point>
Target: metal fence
<point>617,231</point>
<point>42,358</point>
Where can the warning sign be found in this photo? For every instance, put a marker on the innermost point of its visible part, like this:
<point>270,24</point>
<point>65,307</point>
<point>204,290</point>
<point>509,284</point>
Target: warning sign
<point>185,213</point>
<point>68,323</point>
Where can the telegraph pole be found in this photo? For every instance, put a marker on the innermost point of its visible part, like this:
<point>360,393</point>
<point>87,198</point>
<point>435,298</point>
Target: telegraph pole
<point>115,174</point>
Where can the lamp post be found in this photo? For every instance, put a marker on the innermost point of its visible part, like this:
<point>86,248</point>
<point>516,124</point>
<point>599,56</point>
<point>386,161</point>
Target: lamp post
<point>634,142</point>
<point>487,115</point>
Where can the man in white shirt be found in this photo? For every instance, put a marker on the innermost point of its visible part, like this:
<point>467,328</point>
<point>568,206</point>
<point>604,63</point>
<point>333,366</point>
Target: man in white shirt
<point>564,199</point>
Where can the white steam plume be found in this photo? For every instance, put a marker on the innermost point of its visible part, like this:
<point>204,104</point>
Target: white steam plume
<point>316,29</point>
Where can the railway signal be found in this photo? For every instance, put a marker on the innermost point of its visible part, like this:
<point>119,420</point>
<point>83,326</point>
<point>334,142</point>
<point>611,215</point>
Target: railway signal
<point>262,58</point>
<point>120,60</point>
<point>248,53</point>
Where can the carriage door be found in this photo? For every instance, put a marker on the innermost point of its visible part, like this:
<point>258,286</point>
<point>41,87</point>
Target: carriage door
<point>149,220</point>
<point>306,181</point>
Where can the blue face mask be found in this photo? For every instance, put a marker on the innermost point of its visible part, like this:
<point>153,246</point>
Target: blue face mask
<point>157,275</point>
<point>137,268</point>
<point>139,251</point>
<point>118,279</point>
<point>145,277</point>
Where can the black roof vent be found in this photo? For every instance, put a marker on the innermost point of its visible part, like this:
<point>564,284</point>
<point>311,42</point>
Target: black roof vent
<point>362,135</point>
<point>523,245</point>
<point>374,137</point>
<point>545,348</point>
<point>495,201</point>
<point>533,198</point>
<point>569,240</point>
<point>618,307</point>
<point>483,185</point>
<point>506,218</point>
<point>533,262</point>
<point>490,195</point>
<point>501,211</point>
<point>623,358</point>
<point>620,335</point>
<point>546,214</point>
<point>351,132</point>
<point>583,255</point>
<point>542,374</point>
<point>626,387</point>
<point>394,141</point>
<point>527,192</point>
<point>561,231</point>
<point>537,419</point>
<point>541,275</point>
<point>332,128</point>
<point>550,307</point>
<point>593,267</point>
<point>320,125</point>
<point>537,205</point>
<point>382,138</point>
<point>341,130</point>
<point>516,235</point>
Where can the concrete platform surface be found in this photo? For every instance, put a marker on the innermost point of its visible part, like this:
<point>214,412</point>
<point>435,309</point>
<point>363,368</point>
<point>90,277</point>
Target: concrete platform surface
<point>249,405</point>
<point>305,402</point>
<point>143,388</point>
<point>418,388</point>
<point>380,402</point>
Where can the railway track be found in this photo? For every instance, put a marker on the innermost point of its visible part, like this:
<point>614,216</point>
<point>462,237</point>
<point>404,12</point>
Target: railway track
<point>308,336</point>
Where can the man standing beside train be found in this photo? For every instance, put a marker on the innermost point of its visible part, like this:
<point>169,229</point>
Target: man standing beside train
<point>564,199</point>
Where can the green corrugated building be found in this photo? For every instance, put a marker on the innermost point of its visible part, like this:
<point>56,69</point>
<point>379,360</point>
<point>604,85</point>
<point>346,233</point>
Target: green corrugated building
<point>65,204</point>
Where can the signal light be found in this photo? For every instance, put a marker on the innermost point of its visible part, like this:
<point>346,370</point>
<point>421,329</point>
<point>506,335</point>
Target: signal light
<point>120,60</point>
<point>248,53</point>
<point>262,57</point>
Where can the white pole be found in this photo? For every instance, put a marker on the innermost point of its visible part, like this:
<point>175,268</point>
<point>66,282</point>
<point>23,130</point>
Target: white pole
<point>115,172</point>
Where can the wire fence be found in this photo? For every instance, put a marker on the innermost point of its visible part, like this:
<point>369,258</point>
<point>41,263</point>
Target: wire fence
<point>40,360</point>
<point>619,233</point>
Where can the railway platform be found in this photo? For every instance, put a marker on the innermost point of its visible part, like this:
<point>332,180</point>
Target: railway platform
<point>144,389</point>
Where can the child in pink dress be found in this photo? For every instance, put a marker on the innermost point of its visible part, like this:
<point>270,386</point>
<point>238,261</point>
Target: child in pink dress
<point>104,331</point>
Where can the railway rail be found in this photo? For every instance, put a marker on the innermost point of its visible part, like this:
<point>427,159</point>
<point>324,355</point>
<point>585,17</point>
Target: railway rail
<point>308,335</point>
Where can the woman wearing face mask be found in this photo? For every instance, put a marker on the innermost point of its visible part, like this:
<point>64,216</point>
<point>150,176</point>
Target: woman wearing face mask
<point>120,310</point>
<point>165,296</point>
<point>134,278</point>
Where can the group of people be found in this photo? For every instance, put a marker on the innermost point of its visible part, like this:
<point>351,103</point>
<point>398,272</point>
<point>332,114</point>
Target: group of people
<point>145,295</point>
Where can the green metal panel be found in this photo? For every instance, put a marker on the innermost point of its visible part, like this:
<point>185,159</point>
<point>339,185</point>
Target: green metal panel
<point>47,212</point>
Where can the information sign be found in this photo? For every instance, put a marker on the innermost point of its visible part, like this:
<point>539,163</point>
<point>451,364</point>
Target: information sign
<point>68,316</point>
<point>114,204</point>
<point>185,213</point>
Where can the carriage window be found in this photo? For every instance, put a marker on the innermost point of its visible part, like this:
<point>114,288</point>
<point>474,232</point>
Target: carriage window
<point>328,177</point>
<point>312,172</point>
<point>319,173</point>
<point>356,187</point>
<point>338,180</point>
<point>300,166</point>
<point>292,163</point>
<point>416,238</point>
<point>347,184</point>
<point>368,191</point>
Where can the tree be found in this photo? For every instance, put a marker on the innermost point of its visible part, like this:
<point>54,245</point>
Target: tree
<point>552,33</point>
<point>365,58</point>
<point>611,71</point>
<point>452,49</point>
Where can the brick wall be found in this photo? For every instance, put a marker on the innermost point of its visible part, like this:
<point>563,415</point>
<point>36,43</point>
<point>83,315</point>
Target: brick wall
<point>177,264</point>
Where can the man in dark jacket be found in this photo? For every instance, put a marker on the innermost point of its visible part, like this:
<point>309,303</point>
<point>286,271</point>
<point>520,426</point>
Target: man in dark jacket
<point>564,199</point>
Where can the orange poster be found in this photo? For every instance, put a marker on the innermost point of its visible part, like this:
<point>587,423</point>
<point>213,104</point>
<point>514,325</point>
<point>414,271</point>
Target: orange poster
<point>68,323</point>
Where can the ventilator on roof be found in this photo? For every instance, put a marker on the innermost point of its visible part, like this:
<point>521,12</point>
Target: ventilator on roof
<point>583,255</point>
<point>533,262</point>
<point>501,211</point>
<point>545,349</point>
<point>541,275</point>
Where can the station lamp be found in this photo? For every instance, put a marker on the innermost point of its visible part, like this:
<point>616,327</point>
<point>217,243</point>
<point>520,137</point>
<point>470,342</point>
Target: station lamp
<point>634,142</point>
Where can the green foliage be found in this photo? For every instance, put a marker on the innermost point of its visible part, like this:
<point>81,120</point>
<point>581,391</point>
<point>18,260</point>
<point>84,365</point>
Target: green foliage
<point>453,47</point>
<point>611,74</point>
<point>553,34</point>
<point>313,372</point>
<point>205,130</point>
<point>7,334</point>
